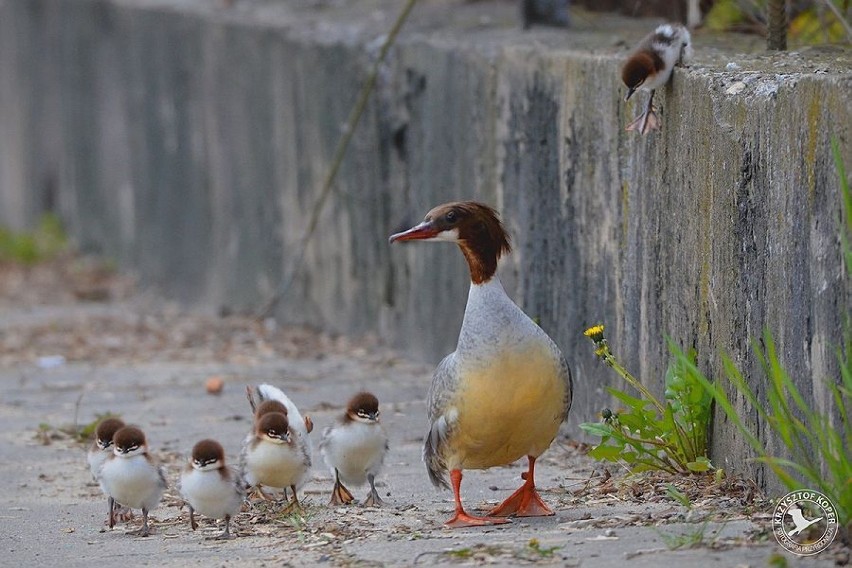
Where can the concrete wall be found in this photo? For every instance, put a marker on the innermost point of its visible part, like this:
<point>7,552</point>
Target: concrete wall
<point>190,143</point>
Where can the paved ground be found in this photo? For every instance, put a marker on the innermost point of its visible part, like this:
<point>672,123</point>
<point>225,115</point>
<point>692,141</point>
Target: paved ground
<point>147,362</point>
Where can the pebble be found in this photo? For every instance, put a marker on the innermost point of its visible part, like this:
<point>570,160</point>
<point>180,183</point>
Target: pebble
<point>214,385</point>
<point>736,88</point>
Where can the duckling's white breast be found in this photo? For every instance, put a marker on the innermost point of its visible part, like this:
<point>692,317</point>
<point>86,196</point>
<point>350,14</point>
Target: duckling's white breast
<point>210,494</point>
<point>355,449</point>
<point>133,481</point>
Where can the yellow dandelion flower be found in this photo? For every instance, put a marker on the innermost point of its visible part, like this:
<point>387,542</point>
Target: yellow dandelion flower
<point>595,333</point>
<point>594,330</point>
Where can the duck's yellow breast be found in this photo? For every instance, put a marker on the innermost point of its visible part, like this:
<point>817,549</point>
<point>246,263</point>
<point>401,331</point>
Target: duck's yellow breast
<point>505,409</point>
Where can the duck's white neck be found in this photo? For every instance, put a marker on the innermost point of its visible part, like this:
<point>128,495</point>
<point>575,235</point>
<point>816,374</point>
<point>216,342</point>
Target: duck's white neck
<point>487,303</point>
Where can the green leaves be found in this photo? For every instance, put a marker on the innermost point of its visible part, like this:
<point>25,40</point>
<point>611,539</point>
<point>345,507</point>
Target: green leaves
<point>700,465</point>
<point>647,434</point>
<point>818,448</point>
<point>45,242</point>
<point>601,430</point>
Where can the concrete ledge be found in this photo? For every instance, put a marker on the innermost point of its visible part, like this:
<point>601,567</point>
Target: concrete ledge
<point>189,141</point>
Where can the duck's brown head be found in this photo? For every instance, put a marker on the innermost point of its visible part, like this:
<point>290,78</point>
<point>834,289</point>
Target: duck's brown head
<point>476,228</point>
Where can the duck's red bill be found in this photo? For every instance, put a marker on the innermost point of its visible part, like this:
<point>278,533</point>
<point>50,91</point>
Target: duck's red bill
<point>425,230</point>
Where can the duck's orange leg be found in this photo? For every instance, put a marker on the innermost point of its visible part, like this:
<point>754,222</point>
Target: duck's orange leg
<point>461,518</point>
<point>525,502</point>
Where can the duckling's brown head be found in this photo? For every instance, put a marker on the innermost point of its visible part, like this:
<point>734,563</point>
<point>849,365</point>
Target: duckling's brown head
<point>273,427</point>
<point>268,406</point>
<point>208,454</point>
<point>640,67</point>
<point>363,407</point>
<point>129,441</point>
<point>106,430</point>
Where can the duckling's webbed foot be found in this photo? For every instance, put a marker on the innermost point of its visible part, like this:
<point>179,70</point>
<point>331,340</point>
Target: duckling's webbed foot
<point>647,121</point>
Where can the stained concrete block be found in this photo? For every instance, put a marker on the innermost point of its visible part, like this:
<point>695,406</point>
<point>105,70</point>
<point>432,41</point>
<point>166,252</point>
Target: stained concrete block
<point>190,141</point>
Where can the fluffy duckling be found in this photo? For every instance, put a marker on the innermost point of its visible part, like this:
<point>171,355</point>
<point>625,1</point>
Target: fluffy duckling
<point>278,452</point>
<point>130,476</point>
<point>354,449</point>
<point>210,487</point>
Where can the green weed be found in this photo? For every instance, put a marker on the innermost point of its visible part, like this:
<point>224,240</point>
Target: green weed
<point>818,452</point>
<point>477,552</point>
<point>46,241</point>
<point>86,432</point>
<point>47,432</point>
<point>846,192</point>
<point>295,516</point>
<point>676,494</point>
<point>690,539</point>
<point>461,553</point>
<point>537,549</point>
<point>648,434</point>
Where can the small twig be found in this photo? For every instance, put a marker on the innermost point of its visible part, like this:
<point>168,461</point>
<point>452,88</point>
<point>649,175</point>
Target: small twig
<point>77,414</point>
<point>776,39</point>
<point>610,360</point>
<point>641,551</point>
<point>427,553</point>
<point>836,11</point>
<point>349,130</point>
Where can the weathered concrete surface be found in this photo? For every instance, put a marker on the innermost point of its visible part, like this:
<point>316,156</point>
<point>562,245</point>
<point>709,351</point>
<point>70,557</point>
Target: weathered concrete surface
<point>189,141</point>
<point>53,513</point>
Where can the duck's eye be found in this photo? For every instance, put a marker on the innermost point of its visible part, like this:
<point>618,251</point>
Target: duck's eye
<point>451,217</point>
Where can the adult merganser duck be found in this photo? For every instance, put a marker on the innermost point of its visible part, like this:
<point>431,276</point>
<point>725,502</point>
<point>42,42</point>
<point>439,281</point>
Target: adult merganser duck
<point>354,449</point>
<point>505,390</point>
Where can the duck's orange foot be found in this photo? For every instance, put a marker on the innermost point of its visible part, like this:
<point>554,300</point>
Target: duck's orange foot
<point>462,519</point>
<point>525,502</point>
